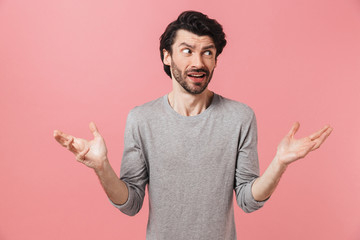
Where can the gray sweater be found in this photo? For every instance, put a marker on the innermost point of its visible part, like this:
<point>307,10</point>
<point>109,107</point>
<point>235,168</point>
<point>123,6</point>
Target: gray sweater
<point>191,165</point>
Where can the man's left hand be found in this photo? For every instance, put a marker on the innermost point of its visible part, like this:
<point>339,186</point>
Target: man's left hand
<point>291,149</point>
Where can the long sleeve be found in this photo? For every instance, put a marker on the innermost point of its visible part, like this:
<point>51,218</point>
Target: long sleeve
<point>134,171</point>
<point>247,166</point>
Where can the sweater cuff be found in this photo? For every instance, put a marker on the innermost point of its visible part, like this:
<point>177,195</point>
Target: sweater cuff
<point>250,198</point>
<point>126,204</point>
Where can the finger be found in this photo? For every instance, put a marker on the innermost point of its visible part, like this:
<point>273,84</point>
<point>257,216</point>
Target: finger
<point>306,149</point>
<point>58,136</point>
<point>94,129</point>
<point>71,147</point>
<point>69,144</point>
<point>294,129</point>
<point>61,137</point>
<point>56,133</point>
<point>319,133</point>
<point>81,156</point>
<point>322,138</point>
<point>60,133</point>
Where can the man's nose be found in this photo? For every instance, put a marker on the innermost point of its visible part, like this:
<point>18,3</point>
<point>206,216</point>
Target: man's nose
<point>197,61</point>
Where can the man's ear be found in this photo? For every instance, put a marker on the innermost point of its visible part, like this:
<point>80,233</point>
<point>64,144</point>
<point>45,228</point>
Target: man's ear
<point>167,57</point>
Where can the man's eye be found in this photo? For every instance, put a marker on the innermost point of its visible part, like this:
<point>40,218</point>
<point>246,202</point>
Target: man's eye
<point>186,50</point>
<point>208,53</point>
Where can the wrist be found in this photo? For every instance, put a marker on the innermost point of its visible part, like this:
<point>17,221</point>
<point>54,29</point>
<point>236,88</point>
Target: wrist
<point>281,165</point>
<point>103,164</point>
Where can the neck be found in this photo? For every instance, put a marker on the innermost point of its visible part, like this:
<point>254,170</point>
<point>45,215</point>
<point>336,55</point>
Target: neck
<point>188,104</point>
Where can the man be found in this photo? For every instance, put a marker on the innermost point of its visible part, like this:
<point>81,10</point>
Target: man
<point>192,146</point>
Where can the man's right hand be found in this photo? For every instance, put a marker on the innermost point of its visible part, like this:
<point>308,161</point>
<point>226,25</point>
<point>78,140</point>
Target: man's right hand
<point>91,153</point>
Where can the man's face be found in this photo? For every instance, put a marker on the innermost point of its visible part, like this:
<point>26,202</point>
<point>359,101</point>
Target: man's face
<point>192,61</point>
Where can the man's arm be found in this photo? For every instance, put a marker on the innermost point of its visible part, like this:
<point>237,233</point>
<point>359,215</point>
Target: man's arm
<point>115,188</point>
<point>94,155</point>
<point>289,150</point>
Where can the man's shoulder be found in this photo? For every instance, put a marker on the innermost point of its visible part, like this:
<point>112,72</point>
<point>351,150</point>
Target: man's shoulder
<point>234,107</point>
<point>147,109</point>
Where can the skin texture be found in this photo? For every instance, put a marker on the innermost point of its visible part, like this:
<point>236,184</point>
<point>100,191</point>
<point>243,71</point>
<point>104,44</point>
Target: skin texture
<point>191,54</point>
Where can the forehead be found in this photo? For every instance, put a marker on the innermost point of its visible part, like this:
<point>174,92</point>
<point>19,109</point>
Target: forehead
<point>184,36</point>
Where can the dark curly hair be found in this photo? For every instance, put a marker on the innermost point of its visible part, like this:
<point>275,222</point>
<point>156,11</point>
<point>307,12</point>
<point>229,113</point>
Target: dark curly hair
<point>197,23</point>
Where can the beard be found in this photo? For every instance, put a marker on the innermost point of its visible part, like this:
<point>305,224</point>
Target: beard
<point>191,87</point>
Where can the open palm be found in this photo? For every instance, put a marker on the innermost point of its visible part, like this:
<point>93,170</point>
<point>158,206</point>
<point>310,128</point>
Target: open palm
<point>291,149</point>
<point>91,153</point>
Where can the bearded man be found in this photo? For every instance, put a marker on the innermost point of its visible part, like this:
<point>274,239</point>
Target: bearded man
<point>192,147</point>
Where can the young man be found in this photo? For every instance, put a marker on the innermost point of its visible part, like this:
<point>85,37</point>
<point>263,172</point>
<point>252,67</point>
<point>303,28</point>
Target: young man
<point>192,146</point>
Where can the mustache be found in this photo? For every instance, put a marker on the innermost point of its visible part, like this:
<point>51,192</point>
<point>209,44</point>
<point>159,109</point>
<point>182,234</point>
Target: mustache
<point>198,70</point>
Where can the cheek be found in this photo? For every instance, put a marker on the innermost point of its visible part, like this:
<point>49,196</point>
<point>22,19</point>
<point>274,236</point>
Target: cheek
<point>180,64</point>
<point>211,65</point>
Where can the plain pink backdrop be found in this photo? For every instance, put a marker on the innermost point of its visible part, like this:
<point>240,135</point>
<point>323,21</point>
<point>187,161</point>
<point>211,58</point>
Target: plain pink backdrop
<point>66,63</point>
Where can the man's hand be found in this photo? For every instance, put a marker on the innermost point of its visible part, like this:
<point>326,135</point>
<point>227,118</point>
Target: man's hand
<point>288,151</point>
<point>291,149</point>
<point>94,155</point>
<point>91,153</point>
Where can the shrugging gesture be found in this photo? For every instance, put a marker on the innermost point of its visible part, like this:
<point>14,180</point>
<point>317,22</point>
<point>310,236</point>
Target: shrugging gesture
<point>289,150</point>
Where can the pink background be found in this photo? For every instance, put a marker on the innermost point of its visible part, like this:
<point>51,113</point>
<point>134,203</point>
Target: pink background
<point>66,63</point>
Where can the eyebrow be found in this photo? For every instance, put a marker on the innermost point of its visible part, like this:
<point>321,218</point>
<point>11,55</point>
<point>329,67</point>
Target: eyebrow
<point>191,46</point>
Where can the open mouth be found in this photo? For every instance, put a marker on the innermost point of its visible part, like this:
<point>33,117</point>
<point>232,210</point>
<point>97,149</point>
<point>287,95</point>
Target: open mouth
<point>197,76</point>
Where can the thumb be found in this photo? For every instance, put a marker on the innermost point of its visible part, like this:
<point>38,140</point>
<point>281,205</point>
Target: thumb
<point>294,129</point>
<point>94,129</point>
